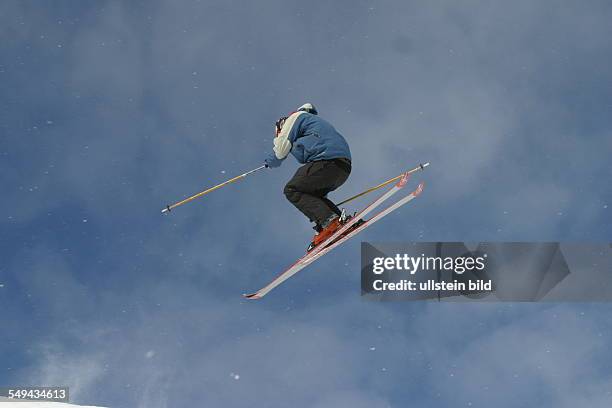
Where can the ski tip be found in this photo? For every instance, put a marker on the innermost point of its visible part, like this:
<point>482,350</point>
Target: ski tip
<point>419,189</point>
<point>251,296</point>
<point>403,180</point>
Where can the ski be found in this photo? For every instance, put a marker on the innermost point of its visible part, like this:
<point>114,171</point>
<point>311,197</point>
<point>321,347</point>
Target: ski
<point>346,226</point>
<point>302,262</point>
<point>340,236</point>
<point>367,223</point>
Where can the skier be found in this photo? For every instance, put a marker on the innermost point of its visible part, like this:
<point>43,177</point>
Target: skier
<point>327,164</point>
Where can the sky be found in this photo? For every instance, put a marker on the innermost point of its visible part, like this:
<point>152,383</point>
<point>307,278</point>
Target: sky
<point>111,110</point>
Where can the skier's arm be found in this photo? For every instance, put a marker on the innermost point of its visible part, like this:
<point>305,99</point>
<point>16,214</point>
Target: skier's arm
<point>283,141</point>
<point>275,159</point>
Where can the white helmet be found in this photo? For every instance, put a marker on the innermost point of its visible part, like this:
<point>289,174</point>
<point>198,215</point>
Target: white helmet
<point>308,107</point>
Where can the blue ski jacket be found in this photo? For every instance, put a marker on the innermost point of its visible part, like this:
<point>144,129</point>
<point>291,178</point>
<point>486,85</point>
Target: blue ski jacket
<point>308,138</point>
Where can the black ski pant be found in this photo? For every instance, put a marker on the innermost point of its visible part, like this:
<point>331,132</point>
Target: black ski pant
<point>308,188</point>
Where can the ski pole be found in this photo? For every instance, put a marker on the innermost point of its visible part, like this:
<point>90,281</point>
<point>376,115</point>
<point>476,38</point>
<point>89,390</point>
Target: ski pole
<point>200,194</point>
<point>369,190</point>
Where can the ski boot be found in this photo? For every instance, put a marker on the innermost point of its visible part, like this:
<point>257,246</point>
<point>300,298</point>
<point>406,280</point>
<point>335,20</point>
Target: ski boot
<point>333,224</point>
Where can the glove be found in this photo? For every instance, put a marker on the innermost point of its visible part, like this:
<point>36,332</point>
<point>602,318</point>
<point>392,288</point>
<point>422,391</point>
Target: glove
<point>272,161</point>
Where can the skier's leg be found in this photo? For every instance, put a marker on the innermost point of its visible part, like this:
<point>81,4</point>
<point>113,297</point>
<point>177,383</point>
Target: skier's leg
<point>337,172</point>
<point>309,186</point>
<point>299,191</point>
<point>311,206</point>
<point>332,206</point>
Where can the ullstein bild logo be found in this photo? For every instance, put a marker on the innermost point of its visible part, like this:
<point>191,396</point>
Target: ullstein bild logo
<point>507,271</point>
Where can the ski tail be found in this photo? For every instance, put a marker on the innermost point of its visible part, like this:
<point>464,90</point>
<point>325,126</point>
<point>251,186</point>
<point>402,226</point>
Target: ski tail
<point>286,274</point>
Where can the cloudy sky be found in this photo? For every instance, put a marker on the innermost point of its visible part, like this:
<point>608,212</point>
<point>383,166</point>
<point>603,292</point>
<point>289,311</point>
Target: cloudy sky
<point>110,110</point>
